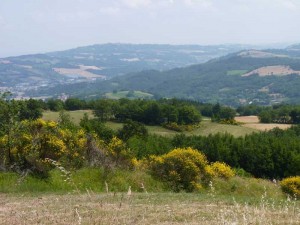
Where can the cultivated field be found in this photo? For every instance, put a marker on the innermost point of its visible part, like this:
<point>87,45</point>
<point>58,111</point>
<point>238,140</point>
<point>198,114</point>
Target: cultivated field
<point>273,70</point>
<point>259,54</point>
<point>253,122</point>
<point>143,208</point>
<point>82,71</point>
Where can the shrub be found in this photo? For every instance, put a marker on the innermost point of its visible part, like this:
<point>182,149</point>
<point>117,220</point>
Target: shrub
<point>181,168</point>
<point>180,128</point>
<point>291,185</point>
<point>173,126</point>
<point>117,151</point>
<point>38,140</point>
<point>229,122</point>
<point>222,170</point>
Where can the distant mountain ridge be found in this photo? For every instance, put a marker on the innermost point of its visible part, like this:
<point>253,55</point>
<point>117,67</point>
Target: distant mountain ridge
<point>28,73</point>
<point>245,77</point>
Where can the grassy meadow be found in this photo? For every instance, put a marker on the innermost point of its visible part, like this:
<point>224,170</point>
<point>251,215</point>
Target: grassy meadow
<point>132,196</point>
<point>237,201</point>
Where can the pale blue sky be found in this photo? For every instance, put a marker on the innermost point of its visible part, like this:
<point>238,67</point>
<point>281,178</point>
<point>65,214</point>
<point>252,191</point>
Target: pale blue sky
<point>31,26</point>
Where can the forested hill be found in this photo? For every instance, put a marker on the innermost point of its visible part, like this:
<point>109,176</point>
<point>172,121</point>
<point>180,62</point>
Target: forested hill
<point>249,76</point>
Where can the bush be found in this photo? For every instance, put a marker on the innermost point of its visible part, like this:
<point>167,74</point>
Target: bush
<point>179,128</point>
<point>181,168</point>
<point>220,169</point>
<point>291,185</point>
<point>229,122</point>
<point>39,140</point>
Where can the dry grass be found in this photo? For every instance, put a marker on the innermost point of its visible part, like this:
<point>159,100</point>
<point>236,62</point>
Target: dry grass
<point>164,208</point>
<point>267,126</point>
<point>247,119</point>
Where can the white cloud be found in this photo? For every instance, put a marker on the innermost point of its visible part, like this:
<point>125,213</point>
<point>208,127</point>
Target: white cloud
<point>111,11</point>
<point>145,21</point>
<point>290,5</point>
<point>136,3</point>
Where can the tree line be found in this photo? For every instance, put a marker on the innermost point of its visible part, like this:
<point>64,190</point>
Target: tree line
<point>281,113</point>
<point>272,154</point>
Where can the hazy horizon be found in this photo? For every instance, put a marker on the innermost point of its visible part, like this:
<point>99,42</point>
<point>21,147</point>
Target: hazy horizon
<point>32,26</point>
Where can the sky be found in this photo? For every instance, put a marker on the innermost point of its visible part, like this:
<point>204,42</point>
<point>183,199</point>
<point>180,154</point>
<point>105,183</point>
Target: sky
<point>37,26</point>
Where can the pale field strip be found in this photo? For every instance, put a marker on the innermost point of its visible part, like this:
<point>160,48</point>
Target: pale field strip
<point>81,71</point>
<point>253,122</point>
<point>278,70</point>
<point>5,61</point>
<point>142,208</point>
<point>260,54</point>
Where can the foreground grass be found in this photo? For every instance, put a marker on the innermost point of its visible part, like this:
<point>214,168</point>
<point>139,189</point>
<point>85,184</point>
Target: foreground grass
<point>93,196</point>
<point>142,208</point>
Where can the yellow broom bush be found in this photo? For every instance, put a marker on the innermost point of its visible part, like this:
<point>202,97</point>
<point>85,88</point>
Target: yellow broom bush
<point>182,168</point>
<point>291,186</point>
<point>221,170</point>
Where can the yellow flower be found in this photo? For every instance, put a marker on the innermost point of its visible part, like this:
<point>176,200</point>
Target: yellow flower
<point>51,124</point>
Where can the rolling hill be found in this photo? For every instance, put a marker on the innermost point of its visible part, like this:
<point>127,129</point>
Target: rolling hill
<point>250,76</point>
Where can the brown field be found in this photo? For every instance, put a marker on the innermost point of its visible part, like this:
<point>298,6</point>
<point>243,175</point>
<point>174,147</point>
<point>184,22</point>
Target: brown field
<point>253,122</point>
<point>272,70</point>
<point>247,119</point>
<point>143,208</point>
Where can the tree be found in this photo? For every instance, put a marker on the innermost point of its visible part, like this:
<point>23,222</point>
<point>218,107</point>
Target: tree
<point>103,109</point>
<point>265,117</point>
<point>30,109</point>
<point>152,114</point>
<point>295,116</point>
<point>188,115</point>
<point>132,128</point>
<point>74,104</point>
<point>55,105</point>
<point>227,113</point>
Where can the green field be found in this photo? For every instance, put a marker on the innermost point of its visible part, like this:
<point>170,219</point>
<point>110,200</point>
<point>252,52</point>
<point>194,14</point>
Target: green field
<point>75,115</point>
<point>206,126</point>
<point>236,72</point>
<point>129,95</point>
